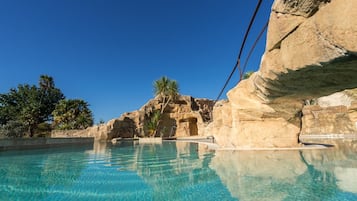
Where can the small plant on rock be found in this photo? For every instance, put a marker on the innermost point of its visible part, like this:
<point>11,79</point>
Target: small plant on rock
<point>153,124</point>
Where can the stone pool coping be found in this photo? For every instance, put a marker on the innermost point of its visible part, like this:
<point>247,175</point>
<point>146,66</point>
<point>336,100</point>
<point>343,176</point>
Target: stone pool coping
<point>327,136</point>
<point>32,143</point>
<point>309,147</point>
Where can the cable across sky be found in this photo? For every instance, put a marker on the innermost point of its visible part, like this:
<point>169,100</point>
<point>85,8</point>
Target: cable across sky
<point>237,65</point>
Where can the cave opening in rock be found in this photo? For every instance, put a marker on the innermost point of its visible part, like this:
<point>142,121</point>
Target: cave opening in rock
<point>189,126</point>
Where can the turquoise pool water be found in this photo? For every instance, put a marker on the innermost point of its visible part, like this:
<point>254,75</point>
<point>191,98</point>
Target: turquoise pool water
<point>177,171</point>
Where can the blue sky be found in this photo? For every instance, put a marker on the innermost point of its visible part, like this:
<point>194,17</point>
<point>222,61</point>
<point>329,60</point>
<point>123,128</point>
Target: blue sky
<point>109,52</point>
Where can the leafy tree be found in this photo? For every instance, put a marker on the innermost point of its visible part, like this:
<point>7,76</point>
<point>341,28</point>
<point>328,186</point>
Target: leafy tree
<point>72,114</point>
<point>43,129</point>
<point>50,96</point>
<point>31,108</point>
<point>12,129</point>
<point>7,108</point>
<point>22,105</point>
<point>30,105</point>
<point>46,82</point>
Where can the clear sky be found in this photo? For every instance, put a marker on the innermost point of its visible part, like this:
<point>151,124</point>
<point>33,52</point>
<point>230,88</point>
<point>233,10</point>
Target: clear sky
<point>109,52</point>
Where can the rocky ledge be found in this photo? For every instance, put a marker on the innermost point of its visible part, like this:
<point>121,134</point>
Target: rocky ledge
<point>186,116</point>
<point>311,51</point>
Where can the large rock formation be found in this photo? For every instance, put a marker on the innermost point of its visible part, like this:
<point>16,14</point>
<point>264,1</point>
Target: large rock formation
<point>331,115</point>
<point>311,51</point>
<point>186,116</point>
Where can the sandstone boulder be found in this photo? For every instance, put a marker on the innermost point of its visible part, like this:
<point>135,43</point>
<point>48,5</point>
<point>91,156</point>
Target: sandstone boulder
<point>311,52</point>
<point>331,115</point>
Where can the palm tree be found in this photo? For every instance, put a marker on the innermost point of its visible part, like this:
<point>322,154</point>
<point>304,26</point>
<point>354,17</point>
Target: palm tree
<point>46,82</point>
<point>167,90</point>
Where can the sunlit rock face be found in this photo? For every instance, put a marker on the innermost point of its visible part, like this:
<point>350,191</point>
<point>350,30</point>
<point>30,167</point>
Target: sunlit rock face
<point>331,115</point>
<point>311,52</point>
<point>186,116</point>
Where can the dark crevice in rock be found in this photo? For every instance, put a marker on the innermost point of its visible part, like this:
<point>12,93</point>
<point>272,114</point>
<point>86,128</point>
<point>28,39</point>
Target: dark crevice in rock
<point>205,108</point>
<point>278,44</point>
<point>303,8</point>
<point>194,105</point>
<point>287,13</point>
<point>315,80</point>
<point>310,82</point>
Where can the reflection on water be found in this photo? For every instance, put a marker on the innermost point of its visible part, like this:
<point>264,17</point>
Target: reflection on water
<point>24,174</point>
<point>258,175</point>
<point>174,171</point>
<point>178,171</point>
<point>325,174</point>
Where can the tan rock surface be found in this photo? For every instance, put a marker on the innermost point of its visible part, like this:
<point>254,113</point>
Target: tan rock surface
<point>186,116</point>
<point>337,24</point>
<point>333,114</point>
<point>336,99</point>
<point>280,26</point>
<point>311,52</point>
<point>331,120</point>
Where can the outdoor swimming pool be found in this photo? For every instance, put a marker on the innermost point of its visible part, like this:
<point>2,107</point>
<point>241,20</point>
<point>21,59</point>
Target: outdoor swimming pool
<point>177,171</point>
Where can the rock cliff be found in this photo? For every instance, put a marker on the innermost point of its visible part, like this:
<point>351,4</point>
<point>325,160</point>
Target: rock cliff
<point>311,51</point>
<point>186,116</point>
<point>331,115</point>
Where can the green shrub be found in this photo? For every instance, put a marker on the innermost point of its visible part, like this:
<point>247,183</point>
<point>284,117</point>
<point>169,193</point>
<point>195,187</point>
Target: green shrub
<point>12,129</point>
